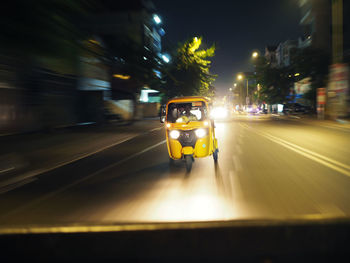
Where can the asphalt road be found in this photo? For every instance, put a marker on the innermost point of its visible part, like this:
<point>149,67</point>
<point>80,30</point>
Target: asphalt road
<point>268,169</point>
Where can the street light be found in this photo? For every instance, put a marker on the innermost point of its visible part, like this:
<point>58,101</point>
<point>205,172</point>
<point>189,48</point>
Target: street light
<point>165,58</point>
<point>240,77</point>
<point>255,54</point>
<point>157,19</point>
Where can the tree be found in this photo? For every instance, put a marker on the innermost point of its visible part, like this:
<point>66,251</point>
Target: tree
<point>275,82</point>
<point>188,74</point>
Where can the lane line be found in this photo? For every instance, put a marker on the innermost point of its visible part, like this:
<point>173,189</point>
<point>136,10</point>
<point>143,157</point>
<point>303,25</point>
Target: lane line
<point>37,172</point>
<point>156,129</point>
<point>16,185</point>
<point>328,162</point>
<point>310,152</point>
<point>6,170</point>
<point>47,196</point>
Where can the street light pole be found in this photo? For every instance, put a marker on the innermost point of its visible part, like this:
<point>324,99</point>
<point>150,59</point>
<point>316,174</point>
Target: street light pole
<point>241,77</point>
<point>247,98</point>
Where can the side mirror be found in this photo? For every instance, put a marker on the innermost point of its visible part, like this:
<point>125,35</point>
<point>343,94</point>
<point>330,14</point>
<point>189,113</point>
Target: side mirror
<point>162,113</point>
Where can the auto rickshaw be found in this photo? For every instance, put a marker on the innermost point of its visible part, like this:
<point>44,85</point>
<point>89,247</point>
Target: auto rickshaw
<point>190,132</point>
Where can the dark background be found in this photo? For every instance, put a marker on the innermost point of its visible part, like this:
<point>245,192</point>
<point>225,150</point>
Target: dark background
<point>237,27</point>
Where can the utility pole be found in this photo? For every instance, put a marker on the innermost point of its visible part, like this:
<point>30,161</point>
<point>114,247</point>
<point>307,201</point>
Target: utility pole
<point>247,98</point>
<point>337,31</point>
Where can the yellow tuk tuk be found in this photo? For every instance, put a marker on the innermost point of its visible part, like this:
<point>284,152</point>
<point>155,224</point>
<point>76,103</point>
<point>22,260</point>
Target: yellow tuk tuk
<point>190,132</point>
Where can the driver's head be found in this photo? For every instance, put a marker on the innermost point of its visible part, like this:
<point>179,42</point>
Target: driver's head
<point>188,109</point>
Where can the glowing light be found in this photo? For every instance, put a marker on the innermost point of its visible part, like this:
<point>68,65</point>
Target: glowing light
<point>255,54</point>
<point>174,134</point>
<point>157,19</point>
<point>165,58</point>
<point>119,76</point>
<point>144,96</point>
<point>206,123</point>
<point>240,77</point>
<point>94,41</point>
<point>200,133</point>
<point>168,125</point>
<point>279,107</point>
<point>219,113</point>
<point>297,74</point>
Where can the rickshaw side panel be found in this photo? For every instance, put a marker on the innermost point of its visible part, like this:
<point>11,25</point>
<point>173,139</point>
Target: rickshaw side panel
<point>174,148</point>
<point>202,148</point>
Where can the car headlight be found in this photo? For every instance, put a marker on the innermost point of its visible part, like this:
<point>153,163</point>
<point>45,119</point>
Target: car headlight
<point>174,134</point>
<point>200,133</point>
<point>219,113</point>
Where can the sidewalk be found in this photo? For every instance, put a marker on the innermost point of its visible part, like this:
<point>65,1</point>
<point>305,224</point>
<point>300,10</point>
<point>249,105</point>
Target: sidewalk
<point>23,156</point>
<point>342,124</point>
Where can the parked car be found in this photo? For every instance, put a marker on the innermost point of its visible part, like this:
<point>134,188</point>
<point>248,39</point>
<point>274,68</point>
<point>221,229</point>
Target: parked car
<point>292,108</point>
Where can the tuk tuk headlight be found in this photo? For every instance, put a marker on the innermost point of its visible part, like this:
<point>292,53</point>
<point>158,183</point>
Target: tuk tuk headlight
<point>200,133</point>
<point>174,134</point>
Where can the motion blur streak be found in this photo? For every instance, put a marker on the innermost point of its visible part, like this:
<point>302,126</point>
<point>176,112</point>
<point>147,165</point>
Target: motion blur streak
<point>256,177</point>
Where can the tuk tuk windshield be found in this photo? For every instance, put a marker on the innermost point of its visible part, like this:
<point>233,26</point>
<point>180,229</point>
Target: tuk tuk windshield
<point>186,112</point>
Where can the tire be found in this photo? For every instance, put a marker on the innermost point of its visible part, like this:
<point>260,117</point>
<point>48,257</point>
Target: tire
<point>189,161</point>
<point>215,156</point>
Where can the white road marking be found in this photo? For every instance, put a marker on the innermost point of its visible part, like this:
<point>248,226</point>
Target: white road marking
<point>19,184</point>
<point>331,210</point>
<point>326,161</point>
<point>311,152</point>
<point>156,129</point>
<point>6,170</point>
<point>47,196</point>
<point>16,180</point>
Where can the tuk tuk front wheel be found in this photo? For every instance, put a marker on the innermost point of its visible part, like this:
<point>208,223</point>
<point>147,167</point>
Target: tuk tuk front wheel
<point>215,156</point>
<point>189,160</point>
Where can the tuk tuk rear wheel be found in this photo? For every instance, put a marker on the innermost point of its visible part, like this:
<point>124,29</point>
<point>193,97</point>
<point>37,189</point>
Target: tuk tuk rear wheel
<point>189,160</point>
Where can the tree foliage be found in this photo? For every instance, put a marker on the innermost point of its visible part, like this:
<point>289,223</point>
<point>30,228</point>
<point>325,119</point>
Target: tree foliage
<point>278,82</point>
<point>275,82</point>
<point>188,74</point>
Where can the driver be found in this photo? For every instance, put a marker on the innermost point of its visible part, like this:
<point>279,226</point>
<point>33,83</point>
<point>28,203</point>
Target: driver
<point>186,115</point>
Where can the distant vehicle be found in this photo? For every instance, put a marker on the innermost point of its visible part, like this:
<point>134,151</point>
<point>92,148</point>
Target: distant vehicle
<point>291,108</point>
<point>219,113</point>
<point>252,109</point>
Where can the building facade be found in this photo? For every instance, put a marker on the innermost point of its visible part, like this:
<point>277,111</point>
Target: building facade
<point>284,52</point>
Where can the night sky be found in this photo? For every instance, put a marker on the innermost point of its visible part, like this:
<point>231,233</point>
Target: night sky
<point>238,27</point>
